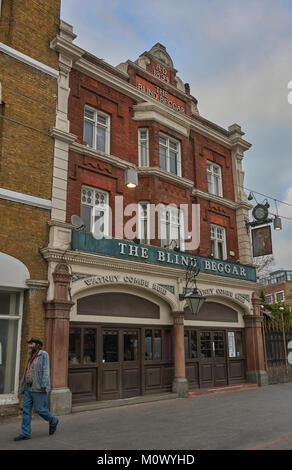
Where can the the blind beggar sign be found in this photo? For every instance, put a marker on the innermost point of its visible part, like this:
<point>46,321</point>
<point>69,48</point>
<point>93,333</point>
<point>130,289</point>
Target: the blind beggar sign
<point>159,256</point>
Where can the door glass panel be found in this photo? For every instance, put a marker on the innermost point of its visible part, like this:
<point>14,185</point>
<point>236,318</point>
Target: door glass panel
<point>219,350</point>
<point>110,346</point>
<point>157,345</point>
<point>74,346</point>
<point>148,345</point>
<point>167,345</point>
<point>238,343</point>
<point>131,345</point>
<point>194,350</point>
<point>89,345</point>
<point>187,353</point>
<point>205,338</point>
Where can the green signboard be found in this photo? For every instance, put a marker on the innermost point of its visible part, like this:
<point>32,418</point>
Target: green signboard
<point>124,249</point>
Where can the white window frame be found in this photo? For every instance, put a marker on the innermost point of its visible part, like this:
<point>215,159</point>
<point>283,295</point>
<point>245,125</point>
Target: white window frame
<point>167,147</point>
<point>271,297</point>
<point>141,218</point>
<point>97,124</point>
<point>170,223</point>
<point>95,208</point>
<point>141,141</point>
<point>12,398</point>
<point>214,235</point>
<point>280,292</point>
<point>211,176</point>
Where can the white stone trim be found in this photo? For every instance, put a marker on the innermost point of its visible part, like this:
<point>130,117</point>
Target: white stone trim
<point>155,171</point>
<point>28,60</point>
<point>25,199</point>
<point>11,399</point>
<point>98,154</point>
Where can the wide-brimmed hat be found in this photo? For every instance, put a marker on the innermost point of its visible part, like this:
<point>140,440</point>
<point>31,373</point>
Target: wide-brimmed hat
<point>35,340</point>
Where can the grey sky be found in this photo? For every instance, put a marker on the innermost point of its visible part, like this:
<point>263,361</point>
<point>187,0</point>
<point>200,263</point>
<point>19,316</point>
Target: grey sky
<point>237,58</point>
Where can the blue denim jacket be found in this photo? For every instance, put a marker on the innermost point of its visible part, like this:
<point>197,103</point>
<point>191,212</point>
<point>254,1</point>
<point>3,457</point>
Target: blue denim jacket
<point>40,376</point>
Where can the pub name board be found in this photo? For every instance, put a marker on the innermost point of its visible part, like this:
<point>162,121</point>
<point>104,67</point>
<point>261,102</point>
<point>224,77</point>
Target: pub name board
<point>151,254</point>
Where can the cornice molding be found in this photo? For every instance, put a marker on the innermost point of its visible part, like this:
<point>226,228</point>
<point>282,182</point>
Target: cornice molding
<point>62,135</point>
<point>221,200</point>
<point>165,175</point>
<point>106,262</point>
<point>97,154</point>
<point>28,60</point>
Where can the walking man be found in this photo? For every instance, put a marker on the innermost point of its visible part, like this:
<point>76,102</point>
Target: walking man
<point>35,384</point>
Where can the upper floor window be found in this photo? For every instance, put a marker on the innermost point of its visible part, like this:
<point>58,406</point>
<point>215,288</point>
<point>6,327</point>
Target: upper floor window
<point>218,242</point>
<point>280,296</point>
<point>95,211</point>
<point>214,178</point>
<point>144,222</point>
<point>171,227</point>
<point>270,299</point>
<point>97,129</point>
<point>143,147</point>
<point>169,154</point>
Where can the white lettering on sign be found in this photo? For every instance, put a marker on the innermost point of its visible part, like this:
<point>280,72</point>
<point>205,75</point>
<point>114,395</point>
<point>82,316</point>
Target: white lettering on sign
<point>161,72</point>
<point>162,96</point>
<point>127,279</point>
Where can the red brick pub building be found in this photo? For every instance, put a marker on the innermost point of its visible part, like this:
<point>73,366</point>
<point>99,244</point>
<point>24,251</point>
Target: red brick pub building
<point>116,326</point>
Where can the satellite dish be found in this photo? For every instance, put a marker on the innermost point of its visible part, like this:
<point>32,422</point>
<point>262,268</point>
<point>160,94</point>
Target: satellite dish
<point>77,222</point>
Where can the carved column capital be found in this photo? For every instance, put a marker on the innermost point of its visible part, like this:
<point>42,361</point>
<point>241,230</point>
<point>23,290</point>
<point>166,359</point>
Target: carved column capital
<point>178,318</point>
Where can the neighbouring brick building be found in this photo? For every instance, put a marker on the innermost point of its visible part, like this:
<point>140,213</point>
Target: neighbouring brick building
<point>28,90</point>
<point>116,324</point>
<point>277,287</point>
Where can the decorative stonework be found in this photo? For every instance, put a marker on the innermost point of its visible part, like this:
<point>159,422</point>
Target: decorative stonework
<point>178,318</point>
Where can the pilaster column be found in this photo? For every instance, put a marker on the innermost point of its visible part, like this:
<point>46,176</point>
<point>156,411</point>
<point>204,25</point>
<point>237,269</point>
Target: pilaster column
<point>57,340</point>
<point>180,383</point>
<point>254,345</point>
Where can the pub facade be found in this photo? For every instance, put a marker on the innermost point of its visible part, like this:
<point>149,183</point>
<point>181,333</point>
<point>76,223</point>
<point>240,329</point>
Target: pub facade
<point>116,324</point>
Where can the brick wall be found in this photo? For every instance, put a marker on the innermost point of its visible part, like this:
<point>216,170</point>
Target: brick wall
<point>27,113</point>
<point>195,151</point>
<point>29,26</point>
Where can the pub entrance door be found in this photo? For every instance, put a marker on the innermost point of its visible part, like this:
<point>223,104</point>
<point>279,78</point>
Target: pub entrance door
<point>213,359</point>
<point>121,358</point>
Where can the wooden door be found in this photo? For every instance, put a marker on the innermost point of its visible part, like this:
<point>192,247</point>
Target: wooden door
<point>213,360</point>
<point>111,374</point>
<point>131,363</point>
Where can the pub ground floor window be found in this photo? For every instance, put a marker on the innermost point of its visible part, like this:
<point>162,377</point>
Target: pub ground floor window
<point>108,361</point>
<point>10,324</point>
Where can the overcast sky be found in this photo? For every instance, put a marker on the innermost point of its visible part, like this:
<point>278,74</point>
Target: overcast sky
<point>237,57</point>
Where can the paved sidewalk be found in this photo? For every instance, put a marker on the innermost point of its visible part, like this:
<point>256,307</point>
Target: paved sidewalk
<point>259,418</point>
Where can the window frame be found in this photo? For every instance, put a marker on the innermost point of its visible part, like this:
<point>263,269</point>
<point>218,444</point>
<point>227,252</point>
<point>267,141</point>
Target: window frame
<point>167,147</point>
<point>211,190</point>
<point>168,208</point>
<point>16,318</point>
<point>95,208</point>
<point>140,140</point>
<point>141,218</point>
<point>216,240</point>
<point>98,124</point>
<point>276,296</point>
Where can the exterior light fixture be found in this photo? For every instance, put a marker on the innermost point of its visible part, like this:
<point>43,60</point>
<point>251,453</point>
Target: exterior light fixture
<point>131,178</point>
<point>250,197</point>
<point>193,297</point>
<point>277,223</point>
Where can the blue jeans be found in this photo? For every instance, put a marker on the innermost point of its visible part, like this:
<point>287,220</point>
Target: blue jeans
<point>37,400</point>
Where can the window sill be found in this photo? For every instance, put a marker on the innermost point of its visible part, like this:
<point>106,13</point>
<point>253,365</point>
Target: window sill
<point>83,149</point>
<point>155,171</point>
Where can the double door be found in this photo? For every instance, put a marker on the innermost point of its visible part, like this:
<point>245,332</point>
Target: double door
<point>213,359</point>
<point>120,367</point>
